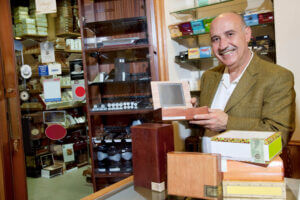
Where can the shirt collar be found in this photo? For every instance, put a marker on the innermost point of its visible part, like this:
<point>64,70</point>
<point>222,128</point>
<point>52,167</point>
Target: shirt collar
<point>226,78</point>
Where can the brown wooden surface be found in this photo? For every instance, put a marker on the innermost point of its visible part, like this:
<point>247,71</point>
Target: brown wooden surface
<point>171,114</point>
<point>11,85</point>
<point>6,185</point>
<point>242,171</point>
<point>291,158</point>
<point>190,172</point>
<point>150,144</point>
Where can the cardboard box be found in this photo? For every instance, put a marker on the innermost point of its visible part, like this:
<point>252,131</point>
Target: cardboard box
<point>196,175</point>
<point>150,144</point>
<point>252,146</point>
<point>186,28</point>
<point>172,100</point>
<point>251,19</point>
<point>205,52</point>
<point>243,171</point>
<point>174,31</point>
<point>193,53</point>
<point>266,190</point>
<point>198,26</point>
<point>52,171</point>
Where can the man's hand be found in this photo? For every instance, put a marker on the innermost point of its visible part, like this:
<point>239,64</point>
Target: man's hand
<point>215,120</point>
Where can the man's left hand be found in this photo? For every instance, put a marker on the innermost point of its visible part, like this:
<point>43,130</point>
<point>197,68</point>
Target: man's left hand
<point>215,120</point>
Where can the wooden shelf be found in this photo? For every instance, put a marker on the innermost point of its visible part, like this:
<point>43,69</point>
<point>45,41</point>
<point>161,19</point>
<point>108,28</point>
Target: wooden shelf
<point>117,48</point>
<point>32,36</point>
<point>122,112</point>
<point>118,26</point>
<point>68,35</point>
<point>120,82</point>
<point>112,174</point>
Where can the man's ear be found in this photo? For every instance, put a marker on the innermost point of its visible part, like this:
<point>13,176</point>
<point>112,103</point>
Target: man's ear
<point>248,33</point>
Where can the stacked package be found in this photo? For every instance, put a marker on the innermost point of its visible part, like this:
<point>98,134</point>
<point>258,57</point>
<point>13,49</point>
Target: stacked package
<point>23,24</point>
<point>64,20</point>
<point>41,23</point>
<point>262,175</point>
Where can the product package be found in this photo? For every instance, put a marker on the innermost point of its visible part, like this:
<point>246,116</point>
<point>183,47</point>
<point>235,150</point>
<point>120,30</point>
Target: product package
<point>198,26</point>
<point>252,146</point>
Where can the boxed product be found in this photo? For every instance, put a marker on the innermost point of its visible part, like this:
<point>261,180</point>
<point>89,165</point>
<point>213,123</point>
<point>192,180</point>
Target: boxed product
<point>198,26</point>
<point>205,52</point>
<point>21,9</point>
<point>172,101</point>
<point>243,171</point>
<point>251,146</point>
<point>193,174</point>
<point>150,144</point>
<point>207,22</point>
<point>193,53</point>
<point>186,28</point>
<point>174,31</point>
<point>251,19</point>
<point>265,17</point>
<point>253,189</point>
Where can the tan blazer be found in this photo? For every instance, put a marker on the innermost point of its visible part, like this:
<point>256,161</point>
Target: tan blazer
<point>263,100</point>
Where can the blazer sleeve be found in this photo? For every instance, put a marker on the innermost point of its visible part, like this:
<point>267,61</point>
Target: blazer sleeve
<point>278,111</point>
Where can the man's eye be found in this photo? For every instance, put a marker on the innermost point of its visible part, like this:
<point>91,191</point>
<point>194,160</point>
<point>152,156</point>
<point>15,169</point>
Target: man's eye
<point>214,39</point>
<point>230,34</point>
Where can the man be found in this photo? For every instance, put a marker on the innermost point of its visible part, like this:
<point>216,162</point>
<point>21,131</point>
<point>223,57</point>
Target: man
<point>245,92</point>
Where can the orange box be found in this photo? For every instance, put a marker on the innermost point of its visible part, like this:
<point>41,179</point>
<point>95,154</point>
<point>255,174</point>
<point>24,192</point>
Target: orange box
<point>194,174</point>
<point>243,171</point>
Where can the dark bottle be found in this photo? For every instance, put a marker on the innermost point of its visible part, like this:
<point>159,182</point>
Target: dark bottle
<point>126,156</point>
<point>114,157</point>
<point>102,156</point>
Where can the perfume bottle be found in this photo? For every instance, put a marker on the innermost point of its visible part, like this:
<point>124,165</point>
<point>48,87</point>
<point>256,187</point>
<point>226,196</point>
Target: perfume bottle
<point>126,156</point>
<point>114,157</point>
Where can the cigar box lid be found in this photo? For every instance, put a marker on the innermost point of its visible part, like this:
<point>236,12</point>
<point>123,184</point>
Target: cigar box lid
<point>194,174</point>
<point>169,94</point>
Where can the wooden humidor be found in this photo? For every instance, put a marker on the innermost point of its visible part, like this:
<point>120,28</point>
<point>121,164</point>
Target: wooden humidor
<point>196,175</point>
<point>243,171</point>
<point>172,101</point>
<point>150,144</point>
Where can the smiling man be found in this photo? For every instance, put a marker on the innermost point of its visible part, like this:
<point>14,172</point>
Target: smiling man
<point>244,92</point>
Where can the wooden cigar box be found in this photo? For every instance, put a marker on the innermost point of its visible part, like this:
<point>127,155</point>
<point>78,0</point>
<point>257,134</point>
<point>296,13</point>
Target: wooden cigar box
<point>196,175</point>
<point>243,171</point>
<point>172,101</point>
<point>150,144</point>
<point>253,189</point>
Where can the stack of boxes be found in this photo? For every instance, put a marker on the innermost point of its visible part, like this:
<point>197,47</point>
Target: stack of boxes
<point>64,20</point>
<point>23,24</point>
<point>41,23</point>
<point>33,24</point>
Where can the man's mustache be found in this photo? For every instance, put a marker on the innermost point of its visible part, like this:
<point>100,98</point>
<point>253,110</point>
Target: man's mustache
<point>230,48</point>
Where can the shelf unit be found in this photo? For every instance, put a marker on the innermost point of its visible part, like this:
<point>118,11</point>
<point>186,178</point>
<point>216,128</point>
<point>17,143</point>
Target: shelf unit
<point>126,69</point>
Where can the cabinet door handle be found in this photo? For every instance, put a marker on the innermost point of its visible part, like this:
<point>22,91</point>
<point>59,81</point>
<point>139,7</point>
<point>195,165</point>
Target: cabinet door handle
<point>16,145</point>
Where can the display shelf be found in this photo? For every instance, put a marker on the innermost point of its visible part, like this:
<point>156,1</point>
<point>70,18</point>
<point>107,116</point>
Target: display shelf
<point>118,26</point>
<point>192,10</point>
<point>76,126</point>
<point>194,35</point>
<point>68,35</point>
<point>122,112</point>
<point>120,82</point>
<point>117,48</point>
<point>112,174</point>
<point>31,36</point>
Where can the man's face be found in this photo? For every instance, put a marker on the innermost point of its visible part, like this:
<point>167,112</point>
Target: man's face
<point>229,40</point>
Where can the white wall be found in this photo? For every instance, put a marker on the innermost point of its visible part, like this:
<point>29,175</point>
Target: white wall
<point>287,33</point>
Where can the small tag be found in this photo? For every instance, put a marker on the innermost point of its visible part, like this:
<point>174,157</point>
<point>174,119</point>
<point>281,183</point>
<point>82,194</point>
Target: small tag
<point>212,191</point>
<point>257,150</point>
<point>223,164</point>
<point>159,187</point>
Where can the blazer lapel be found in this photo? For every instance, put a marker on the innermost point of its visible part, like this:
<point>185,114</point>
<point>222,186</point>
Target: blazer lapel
<point>212,85</point>
<point>245,84</point>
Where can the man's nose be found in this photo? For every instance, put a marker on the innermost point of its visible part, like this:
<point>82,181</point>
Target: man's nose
<point>223,44</point>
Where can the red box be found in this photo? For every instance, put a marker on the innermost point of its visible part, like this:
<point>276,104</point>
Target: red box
<point>265,18</point>
<point>186,28</point>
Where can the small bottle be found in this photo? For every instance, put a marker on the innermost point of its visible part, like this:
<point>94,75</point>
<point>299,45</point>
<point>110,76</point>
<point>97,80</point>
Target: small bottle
<point>102,156</point>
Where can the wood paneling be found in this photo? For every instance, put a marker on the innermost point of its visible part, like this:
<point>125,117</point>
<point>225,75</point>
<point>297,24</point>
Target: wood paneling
<point>19,189</point>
